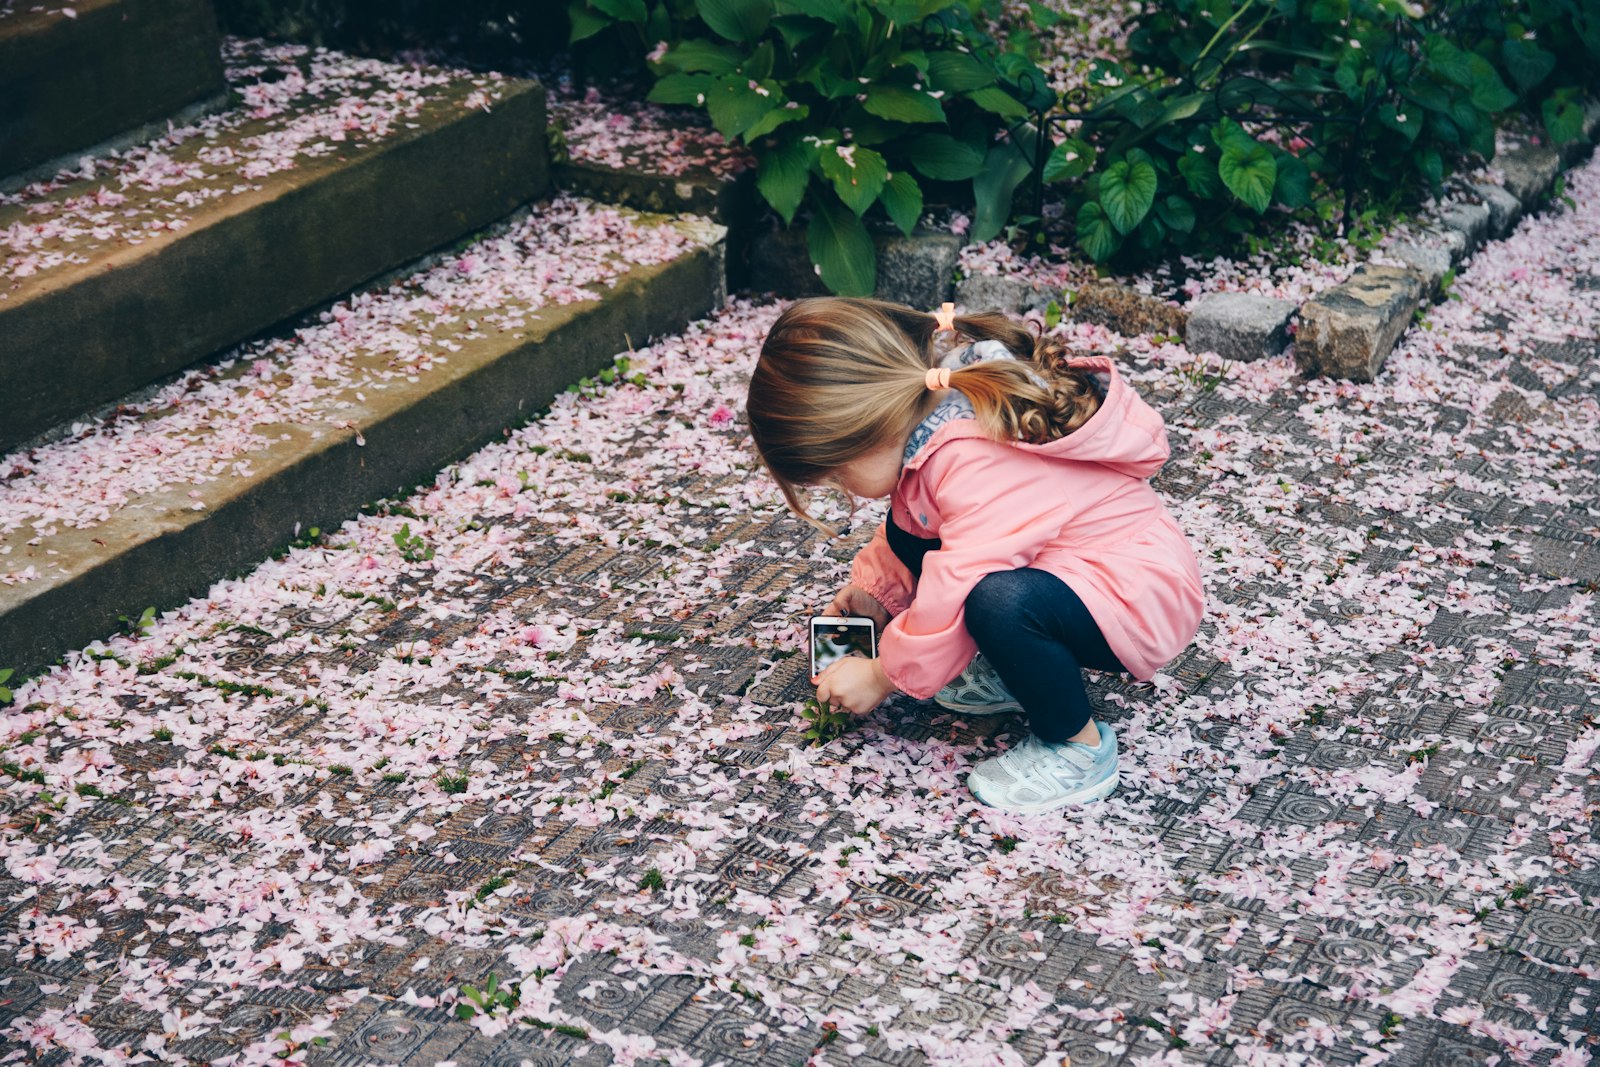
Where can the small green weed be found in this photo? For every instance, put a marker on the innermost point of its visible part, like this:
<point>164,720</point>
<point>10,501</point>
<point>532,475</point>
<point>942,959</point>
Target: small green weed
<point>413,549</point>
<point>826,725</point>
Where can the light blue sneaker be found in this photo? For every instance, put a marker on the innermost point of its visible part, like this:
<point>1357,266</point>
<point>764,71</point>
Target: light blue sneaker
<point>978,690</point>
<point>1036,776</point>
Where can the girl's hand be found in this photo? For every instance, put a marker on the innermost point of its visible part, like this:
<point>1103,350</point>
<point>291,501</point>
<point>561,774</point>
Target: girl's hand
<point>854,600</point>
<point>855,683</point>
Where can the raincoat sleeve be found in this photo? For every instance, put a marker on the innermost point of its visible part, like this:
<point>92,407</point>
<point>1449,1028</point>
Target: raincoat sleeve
<point>991,520</point>
<point>879,571</point>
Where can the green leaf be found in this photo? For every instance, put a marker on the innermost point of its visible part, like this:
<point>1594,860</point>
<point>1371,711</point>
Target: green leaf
<point>1408,125</point>
<point>1451,62</point>
<point>1004,168</point>
<point>902,104</point>
<point>1292,188</point>
<point>690,89</point>
<point>775,118</point>
<point>1177,213</point>
<point>1431,164</point>
<point>1249,174</point>
<point>1127,189</point>
<point>958,72</point>
<point>585,23</point>
<point>1526,62</point>
<point>1489,93</point>
<point>1071,158</point>
<point>782,177</point>
<point>1200,174</point>
<point>841,248</point>
<point>735,107</point>
<point>1096,235</point>
<point>902,199</point>
<point>857,173</point>
<point>736,20</point>
<point>626,10</point>
<point>1000,102</point>
<point>944,158</point>
<point>1562,120</point>
<point>700,55</point>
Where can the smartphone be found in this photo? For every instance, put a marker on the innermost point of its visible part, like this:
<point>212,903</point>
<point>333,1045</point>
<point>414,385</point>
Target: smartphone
<point>834,637</point>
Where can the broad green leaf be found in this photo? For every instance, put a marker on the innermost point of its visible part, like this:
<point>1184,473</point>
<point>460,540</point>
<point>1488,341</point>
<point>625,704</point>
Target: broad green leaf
<point>1127,189</point>
<point>1249,174</point>
<point>944,158</point>
<point>958,72</point>
<point>775,118</point>
<point>1408,125</point>
<point>1427,94</point>
<point>1229,134</point>
<point>682,89</point>
<point>841,248</point>
<point>585,23</point>
<point>1000,102</point>
<point>627,10</point>
<point>1489,93</point>
<point>1431,164</point>
<point>736,20</point>
<point>782,176</point>
<point>1177,213</point>
<point>1292,188</point>
<point>801,34</point>
<point>1562,120</point>
<point>1526,62</point>
<point>857,173</point>
<point>835,11</point>
<point>1200,174</point>
<point>701,55</point>
<point>735,106</point>
<point>902,104</point>
<point>1183,107</point>
<point>1071,158</point>
<point>1448,60</point>
<point>1096,236</point>
<point>1004,168</point>
<point>902,199</point>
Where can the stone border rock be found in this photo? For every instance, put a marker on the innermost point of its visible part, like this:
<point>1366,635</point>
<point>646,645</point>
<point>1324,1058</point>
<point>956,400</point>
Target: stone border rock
<point>1349,330</point>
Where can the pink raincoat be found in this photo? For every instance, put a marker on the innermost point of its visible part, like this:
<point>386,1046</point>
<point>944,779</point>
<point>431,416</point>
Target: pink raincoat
<point>1078,507</point>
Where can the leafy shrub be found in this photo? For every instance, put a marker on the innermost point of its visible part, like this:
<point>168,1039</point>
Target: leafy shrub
<point>852,107</point>
<point>1291,105</point>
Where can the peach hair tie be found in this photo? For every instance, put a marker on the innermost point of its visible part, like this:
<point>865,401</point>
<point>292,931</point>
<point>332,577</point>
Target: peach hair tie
<point>946,315</point>
<point>937,378</point>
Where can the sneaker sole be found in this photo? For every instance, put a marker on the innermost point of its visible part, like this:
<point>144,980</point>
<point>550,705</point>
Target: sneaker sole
<point>1098,791</point>
<point>978,709</point>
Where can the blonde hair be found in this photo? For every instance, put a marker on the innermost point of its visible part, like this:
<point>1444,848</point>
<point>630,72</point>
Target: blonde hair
<point>841,377</point>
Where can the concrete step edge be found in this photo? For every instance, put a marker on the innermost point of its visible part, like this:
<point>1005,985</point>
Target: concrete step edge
<point>325,473</point>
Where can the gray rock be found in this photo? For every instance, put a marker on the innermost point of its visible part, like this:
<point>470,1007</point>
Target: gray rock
<point>916,270</point>
<point>1239,326</point>
<point>1349,330</point>
<point>1529,170</point>
<point>1469,220</point>
<point>1504,209</point>
<point>995,292</point>
<point>1127,311</point>
<point>1430,262</point>
<point>1573,151</point>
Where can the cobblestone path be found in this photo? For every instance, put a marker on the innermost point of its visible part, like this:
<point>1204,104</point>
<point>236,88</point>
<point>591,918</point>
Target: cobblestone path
<point>539,721</point>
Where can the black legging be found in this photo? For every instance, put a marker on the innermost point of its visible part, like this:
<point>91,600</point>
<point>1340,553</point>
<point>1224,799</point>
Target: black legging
<point>1036,633</point>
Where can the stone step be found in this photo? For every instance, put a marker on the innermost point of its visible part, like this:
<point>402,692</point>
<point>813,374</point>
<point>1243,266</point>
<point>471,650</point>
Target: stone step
<point>73,75</point>
<point>328,171</point>
<point>230,461</point>
<point>623,150</point>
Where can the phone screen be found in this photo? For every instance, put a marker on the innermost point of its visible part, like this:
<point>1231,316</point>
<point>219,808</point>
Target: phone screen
<point>833,641</point>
